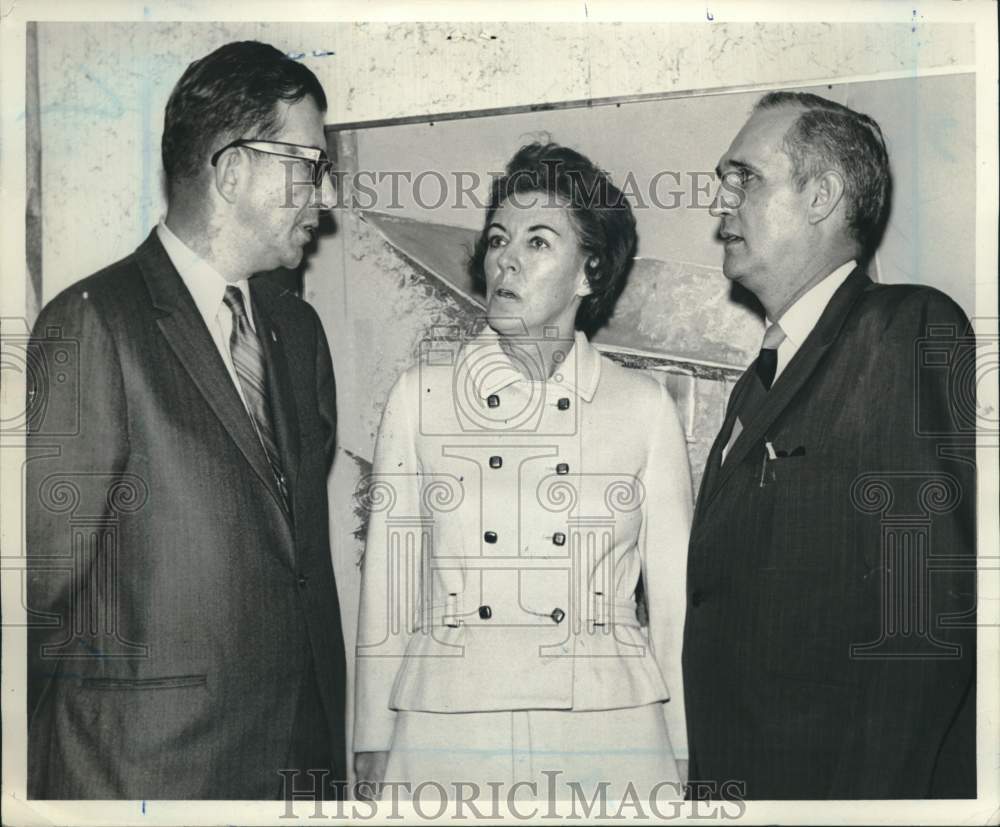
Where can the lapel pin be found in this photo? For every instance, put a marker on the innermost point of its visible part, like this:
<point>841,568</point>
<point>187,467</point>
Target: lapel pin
<point>274,336</point>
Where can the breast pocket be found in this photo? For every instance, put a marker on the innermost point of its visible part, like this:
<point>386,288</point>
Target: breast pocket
<point>811,515</point>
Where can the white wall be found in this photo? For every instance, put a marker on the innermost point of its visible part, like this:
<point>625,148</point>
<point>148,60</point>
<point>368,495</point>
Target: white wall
<point>103,87</point>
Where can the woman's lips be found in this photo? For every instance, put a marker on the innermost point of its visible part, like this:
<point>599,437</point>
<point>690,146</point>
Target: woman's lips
<point>504,293</point>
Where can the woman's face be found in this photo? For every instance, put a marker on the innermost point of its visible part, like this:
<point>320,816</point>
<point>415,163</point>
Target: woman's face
<point>534,267</point>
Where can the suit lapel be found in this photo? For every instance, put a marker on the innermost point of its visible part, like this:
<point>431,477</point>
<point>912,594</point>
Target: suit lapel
<point>185,331</point>
<point>786,387</point>
<point>283,408</point>
<point>712,464</point>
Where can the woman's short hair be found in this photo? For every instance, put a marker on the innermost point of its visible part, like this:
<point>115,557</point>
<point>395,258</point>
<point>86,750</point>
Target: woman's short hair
<point>600,212</point>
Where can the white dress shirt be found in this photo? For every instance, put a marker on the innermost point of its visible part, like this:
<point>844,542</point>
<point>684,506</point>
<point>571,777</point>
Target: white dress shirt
<point>207,287</point>
<point>799,320</point>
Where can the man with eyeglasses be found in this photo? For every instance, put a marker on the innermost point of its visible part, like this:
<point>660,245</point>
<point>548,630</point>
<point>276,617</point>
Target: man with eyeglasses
<point>186,636</point>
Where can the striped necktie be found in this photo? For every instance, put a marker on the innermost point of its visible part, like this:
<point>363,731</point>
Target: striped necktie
<point>248,359</point>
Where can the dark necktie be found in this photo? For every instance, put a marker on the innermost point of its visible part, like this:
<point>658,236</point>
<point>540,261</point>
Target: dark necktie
<point>248,359</point>
<point>765,368</point>
<point>767,359</point>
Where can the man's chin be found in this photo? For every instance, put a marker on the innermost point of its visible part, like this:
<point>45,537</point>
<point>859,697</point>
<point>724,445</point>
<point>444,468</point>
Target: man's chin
<point>292,259</point>
<point>730,269</point>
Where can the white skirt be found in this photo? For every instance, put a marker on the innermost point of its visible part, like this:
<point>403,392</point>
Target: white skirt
<point>546,754</point>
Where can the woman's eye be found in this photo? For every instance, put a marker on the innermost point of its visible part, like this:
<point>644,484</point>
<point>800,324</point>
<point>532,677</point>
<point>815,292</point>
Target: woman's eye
<point>538,243</point>
<point>495,241</point>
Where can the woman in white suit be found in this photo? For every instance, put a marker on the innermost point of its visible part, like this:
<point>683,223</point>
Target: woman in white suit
<point>522,482</point>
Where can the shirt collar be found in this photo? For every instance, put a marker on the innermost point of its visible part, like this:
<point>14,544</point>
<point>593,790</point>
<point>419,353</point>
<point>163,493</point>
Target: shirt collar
<point>579,372</point>
<point>799,320</point>
<point>205,284</point>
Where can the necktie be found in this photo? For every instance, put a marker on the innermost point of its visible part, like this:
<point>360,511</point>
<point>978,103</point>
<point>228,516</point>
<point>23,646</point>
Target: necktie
<point>767,359</point>
<point>756,392</point>
<point>248,359</point>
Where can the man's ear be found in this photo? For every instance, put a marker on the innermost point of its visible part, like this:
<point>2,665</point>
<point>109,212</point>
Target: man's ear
<point>229,171</point>
<point>827,190</point>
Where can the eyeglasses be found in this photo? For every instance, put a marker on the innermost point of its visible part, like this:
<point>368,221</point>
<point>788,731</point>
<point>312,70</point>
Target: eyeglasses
<point>317,158</point>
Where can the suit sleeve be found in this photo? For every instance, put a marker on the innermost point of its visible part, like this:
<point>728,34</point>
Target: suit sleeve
<point>77,445</point>
<point>384,629</point>
<point>912,707</point>
<point>664,545</point>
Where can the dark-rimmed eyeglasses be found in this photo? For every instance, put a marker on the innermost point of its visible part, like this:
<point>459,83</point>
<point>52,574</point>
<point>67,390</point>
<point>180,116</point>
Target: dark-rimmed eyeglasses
<point>317,158</point>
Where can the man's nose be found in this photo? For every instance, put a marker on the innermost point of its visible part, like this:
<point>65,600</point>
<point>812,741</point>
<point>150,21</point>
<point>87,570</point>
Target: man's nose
<point>325,195</point>
<point>718,207</point>
<point>726,200</point>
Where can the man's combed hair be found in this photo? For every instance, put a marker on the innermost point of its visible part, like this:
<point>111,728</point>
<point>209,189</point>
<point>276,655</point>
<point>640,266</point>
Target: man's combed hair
<point>828,135</point>
<point>600,212</point>
<point>229,94</point>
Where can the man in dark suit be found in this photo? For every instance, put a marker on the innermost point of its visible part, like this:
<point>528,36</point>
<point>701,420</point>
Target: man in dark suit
<point>186,638</point>
<point>830,641</point>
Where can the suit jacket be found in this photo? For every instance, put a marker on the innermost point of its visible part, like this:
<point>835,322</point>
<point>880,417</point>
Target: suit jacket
<point>830,643</point>
<point>510,521</point>
<point>178,612</point>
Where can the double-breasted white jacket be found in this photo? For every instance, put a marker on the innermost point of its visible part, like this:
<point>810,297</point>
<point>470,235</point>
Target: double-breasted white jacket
<point>509,523</point>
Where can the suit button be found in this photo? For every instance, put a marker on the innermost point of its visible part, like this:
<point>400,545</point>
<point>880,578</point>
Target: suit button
<point>490,536</point>
<point>496,462</point>
<point>558,615</point>
<point>302,581</point>
<point>697,598</point>
<point>559,539</point>
<point>563,404</point>
<point>485,612</point>
<point>493,400</point>
<point>562,468</point>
